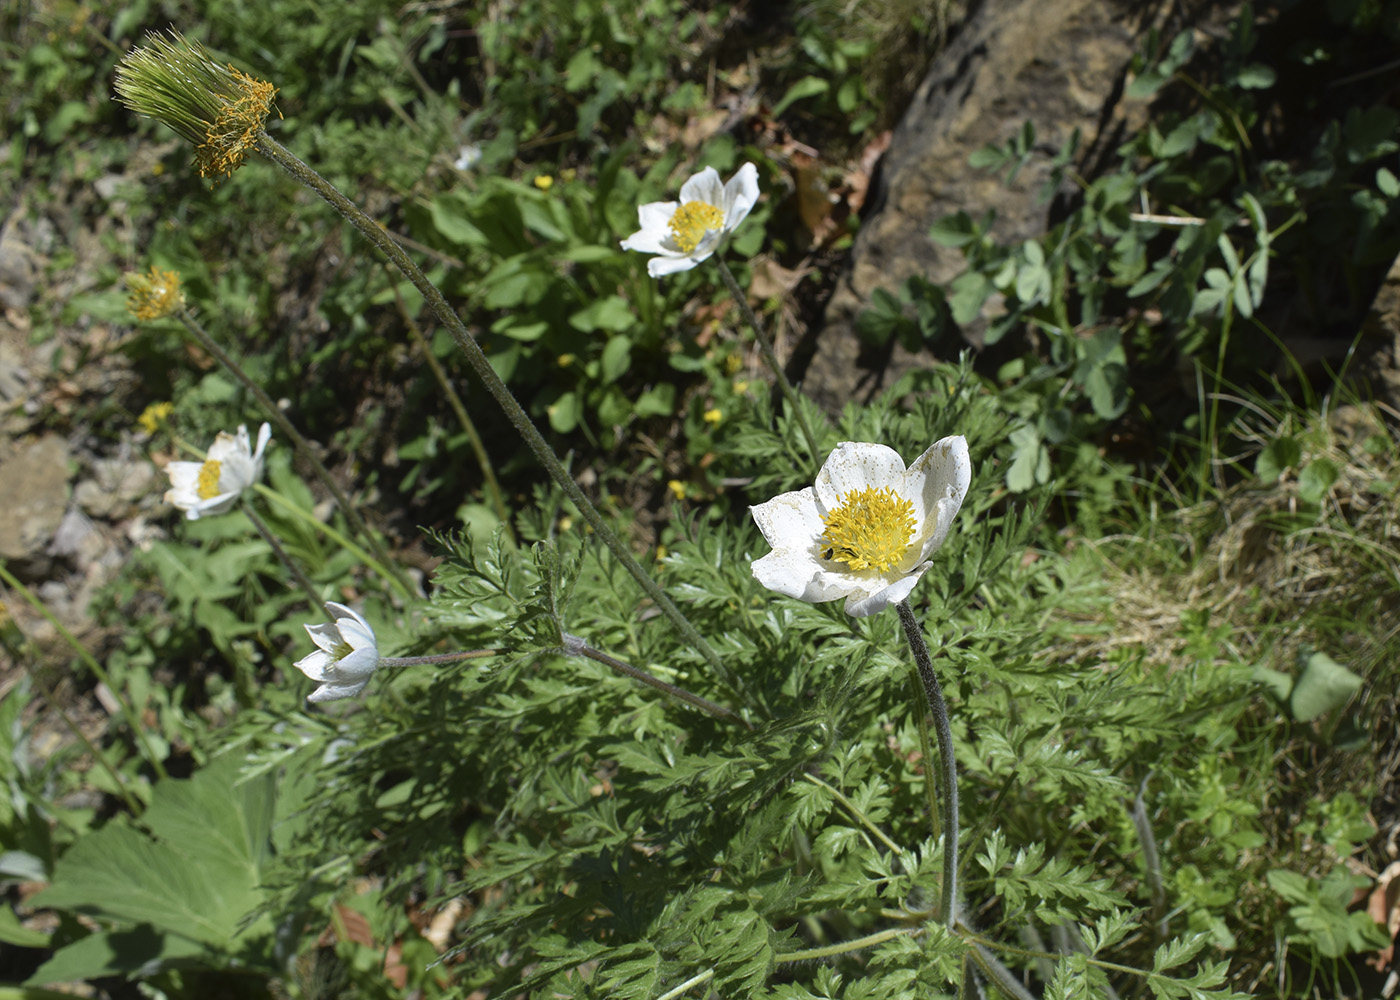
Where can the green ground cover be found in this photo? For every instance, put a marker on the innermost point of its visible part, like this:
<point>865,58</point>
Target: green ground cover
<point>1165,627</point>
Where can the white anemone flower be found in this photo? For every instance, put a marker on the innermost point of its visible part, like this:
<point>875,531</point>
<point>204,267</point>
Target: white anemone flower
<point>213,486</point>
<point>686,232</point>
<point>866,530</point>
<point>346,657</point>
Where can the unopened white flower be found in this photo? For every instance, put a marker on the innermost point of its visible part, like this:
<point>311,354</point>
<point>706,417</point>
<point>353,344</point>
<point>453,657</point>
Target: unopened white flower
<point>346,656</point>
<point>866,530</point>
<point>686,232</point>
<point>213,486</point>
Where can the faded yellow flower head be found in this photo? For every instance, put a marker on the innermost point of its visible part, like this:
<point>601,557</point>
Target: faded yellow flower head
<point>153,416</point>
<point>218,108</point>
<point>154,295</point>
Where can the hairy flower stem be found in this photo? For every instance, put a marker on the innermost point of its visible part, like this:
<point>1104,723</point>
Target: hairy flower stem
<point>938,708</point>
<point>488,472</point>
<point>766,348</point>
<point>414,661</point>
<point>303,448</point>
<point>375,233</point>
<point>575,646</point>
<point>286,560</point>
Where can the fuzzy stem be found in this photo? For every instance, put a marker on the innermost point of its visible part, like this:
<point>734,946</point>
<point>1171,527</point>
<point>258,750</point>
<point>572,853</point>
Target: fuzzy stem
<point>488,472</point>
<point>286,560</point>
<point>766,348</point>
<point>846,947</point>
<point>939,710</point>
<point>690,983</point>
<point>138,733</point>
<point>574,646</point>
<point>414,661</point>
<point>303,448</point>
<point>381,240</point>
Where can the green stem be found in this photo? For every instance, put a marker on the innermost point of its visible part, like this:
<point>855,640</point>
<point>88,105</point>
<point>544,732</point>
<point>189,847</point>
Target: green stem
<point>414,661</point>
<point>690,983</point>
<point>766,348</point>
<point>483,461</point>
<point>297,572</point>
<point>938,708</point>
<point>303,448</point>
<point>138,732</point>
<point>574,646</point>
<point>335,536</point>
<point>846,947</point>
<point>861,818</point>
<point>935,814</point>
<point>381,240</point>
<point>21,651</point>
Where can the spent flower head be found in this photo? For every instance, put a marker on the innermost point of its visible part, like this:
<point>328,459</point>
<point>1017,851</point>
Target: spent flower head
<point>686,232</point>
<point>866,530</point>
<point>154,416</point>
<point>213,105</point>
<point>346,657</point>
<point>154,295</point>
<point>214,485</point>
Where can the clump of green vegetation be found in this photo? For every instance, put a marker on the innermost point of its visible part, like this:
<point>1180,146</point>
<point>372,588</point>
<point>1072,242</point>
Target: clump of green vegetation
<point>606,759</point>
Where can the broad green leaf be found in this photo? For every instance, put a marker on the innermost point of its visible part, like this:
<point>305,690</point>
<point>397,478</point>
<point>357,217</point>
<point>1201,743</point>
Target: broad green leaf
<point>1278,456</point>
<point>808,86</point>
<point>612,314</point>
<point>1316,479</point>
<point>1325,685</point>
<point>128,953</point>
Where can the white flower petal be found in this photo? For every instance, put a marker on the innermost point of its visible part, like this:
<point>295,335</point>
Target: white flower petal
<point>659,267</point>
<point>940,477</point>
<point>795,573</point>
<point>704,186</point>
<point>863,607</point>
<point>790,520</point>
<point>740,195</point>
<point>648,241</point>
<point>655,216</point>
<point>855,465</point>
<point>335,692</point>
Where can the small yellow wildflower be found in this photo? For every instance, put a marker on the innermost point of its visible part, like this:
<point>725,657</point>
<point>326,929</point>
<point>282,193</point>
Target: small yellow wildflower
<point>732,364</point>
<point>565,360</point>
<point>154,295</point>
<point>661,553</point>
<point>153,416</point>
<point>677,488</point>
<point>565,523</point>
<point>713,415</point>
<point>544,182</point>
<point>741,387</point>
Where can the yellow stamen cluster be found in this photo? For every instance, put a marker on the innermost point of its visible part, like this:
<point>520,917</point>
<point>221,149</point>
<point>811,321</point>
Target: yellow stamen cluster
<point>236,128</point>
<point>209,474</point>
<point>692,221</point>
<point>214,106</point>
<point>871,529</point>
<point>154,295</point>
<point>342,650</point>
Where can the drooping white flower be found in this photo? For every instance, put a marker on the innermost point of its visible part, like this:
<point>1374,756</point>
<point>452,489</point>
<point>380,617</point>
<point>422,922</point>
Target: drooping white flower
<point>686,232</point>
<point>346,656</point>
<point>866,530</point>
<point>213,486</point>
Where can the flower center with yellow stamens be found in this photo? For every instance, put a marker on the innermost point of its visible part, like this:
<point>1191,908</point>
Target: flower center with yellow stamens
<point>692,221</point>
<point>209,479</point>
<point>871,529</point>
<point>341,651</point>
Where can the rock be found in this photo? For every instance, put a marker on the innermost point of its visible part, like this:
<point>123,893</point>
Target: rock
<point>1057,65</point>
<point>19,269</point>
<point>117,486</point>
<point>34,496</point>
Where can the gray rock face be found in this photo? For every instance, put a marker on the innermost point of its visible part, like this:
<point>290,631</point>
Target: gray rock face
<point>33,497</point>
<point>1057,65</point>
